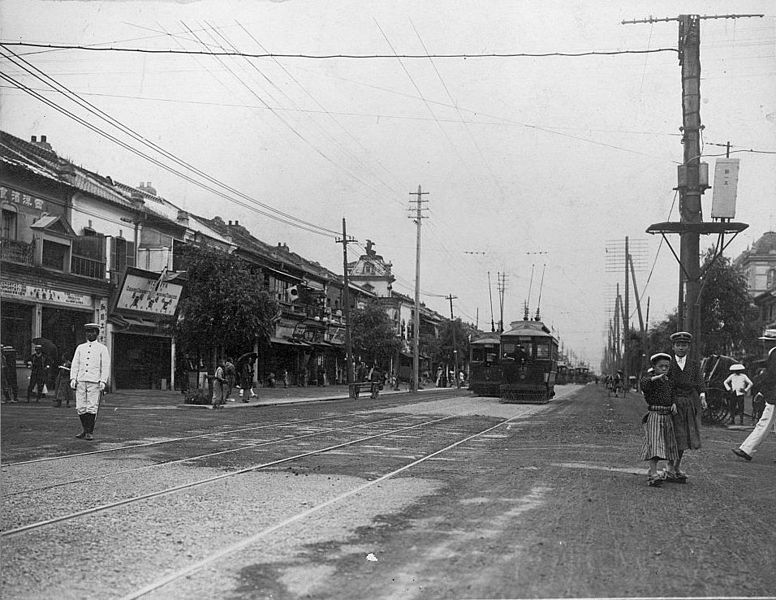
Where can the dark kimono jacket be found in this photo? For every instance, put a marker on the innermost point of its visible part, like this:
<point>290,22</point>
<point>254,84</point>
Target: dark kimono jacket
<point>687,385</point>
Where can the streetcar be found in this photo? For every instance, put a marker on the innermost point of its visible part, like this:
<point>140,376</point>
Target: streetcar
<point>519,365</point>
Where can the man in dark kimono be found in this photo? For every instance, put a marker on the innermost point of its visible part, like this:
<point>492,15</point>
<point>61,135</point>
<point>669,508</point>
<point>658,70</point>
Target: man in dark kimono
<point>689,397</point>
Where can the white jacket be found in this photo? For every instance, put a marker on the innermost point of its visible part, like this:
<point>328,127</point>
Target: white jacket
<point>91,363</point>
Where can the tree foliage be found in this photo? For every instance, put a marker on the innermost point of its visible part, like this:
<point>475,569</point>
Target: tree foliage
<point>225,304</point>
<point>729,319</point>
<point>728,316</point>
<point>373,334</point>
<point>448,331</point>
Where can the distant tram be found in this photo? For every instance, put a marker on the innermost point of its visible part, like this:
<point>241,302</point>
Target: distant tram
<point>519,366</point>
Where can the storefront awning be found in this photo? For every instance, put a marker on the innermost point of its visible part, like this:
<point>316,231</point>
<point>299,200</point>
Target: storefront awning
<point>288,342</point>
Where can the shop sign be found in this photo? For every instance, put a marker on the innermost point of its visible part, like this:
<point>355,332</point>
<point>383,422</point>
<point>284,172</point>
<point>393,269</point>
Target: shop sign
<point>21,291</point>
<point>149,294</point>
<point>102,318</point>
<point>16,197</point>
<point>336,335</point>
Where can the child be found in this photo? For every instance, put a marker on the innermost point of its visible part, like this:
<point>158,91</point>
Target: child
<point>63,389</point>
<point>659,440</point>
<point>738,384</point>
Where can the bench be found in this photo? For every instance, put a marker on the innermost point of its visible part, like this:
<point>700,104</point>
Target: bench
<point>355,389</point>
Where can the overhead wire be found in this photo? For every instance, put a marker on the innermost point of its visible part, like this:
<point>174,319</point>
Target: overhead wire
<point>342,56</point>
<point>85,104</point>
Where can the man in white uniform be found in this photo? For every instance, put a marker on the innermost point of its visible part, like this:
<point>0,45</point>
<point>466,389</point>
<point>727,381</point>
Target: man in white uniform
<point>89,375</point>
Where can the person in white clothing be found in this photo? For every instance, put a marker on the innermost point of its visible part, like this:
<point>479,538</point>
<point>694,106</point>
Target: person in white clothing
<point>764,384</point>
<point>89,374</point>
<point>737,384</point>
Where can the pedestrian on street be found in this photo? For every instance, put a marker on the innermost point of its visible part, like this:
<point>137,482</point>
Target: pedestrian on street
<point>690,397</point>
<point>285,378</point>
<point>659,438</point>
<point>89,374</point>
<point>10,382</point>
<point>737,384</point>
<point>765,384</point>
<point>39,366</point>
<point>63,389</point>
<point>219,385</point>
<point>230,373</point>
<point>246,381</point>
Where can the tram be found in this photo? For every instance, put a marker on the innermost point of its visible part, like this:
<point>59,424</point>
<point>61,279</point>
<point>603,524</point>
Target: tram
<point>519,365</point>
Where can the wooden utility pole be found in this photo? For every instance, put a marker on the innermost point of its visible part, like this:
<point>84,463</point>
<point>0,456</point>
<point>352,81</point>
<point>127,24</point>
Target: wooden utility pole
<point>346,308</point>
<point>450,297</point>
<point>626,323</point>
<point>418,218</point>
<point>691,185</point>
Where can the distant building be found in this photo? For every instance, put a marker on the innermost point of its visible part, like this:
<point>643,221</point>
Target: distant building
<point>758,264</point>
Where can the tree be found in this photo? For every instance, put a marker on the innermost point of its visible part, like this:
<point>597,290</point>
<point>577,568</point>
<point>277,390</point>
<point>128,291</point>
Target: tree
<point>448,350</point>
<point>225,304</point>
<point>373,334</point>
<point>729,320</point>
<point>728,316</point>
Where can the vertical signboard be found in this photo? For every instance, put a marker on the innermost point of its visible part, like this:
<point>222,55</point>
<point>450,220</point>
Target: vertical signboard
<point>723,202</point>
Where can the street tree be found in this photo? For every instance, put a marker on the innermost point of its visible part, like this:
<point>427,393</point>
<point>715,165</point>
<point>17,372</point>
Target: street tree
<point>225,304</point>
<point>373,334</point>
<point>729,319</point>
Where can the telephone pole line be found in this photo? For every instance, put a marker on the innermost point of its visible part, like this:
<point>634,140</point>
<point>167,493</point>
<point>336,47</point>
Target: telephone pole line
<point>450,297</point>
<point>418,218</point>
<point>693,175</point>
<point>345,240</point>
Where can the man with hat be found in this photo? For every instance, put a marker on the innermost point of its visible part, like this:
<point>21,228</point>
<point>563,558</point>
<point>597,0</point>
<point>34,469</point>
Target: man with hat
<point>689,397</point>
<point>89,374</point>
<point>737,384</point>
<point>39,366</point>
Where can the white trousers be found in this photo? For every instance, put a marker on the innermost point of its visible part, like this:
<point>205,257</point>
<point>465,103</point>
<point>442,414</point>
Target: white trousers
<point>87,397</point>
<point>761,430</point>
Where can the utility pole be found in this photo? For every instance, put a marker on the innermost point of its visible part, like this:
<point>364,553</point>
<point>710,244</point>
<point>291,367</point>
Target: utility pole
<point>693,176</point>
<point>450,297</point>
<point>626,323</point>
<point>501,285</point>
<point>345,240</point>
<point>418,218</point>
<point>490,295</point>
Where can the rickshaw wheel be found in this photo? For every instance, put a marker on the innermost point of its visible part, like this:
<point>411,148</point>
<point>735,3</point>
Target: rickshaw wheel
<point>717,411</point>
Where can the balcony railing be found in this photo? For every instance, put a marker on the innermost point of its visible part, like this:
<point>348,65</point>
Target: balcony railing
<point>18,252</point>
<point>88,267</point>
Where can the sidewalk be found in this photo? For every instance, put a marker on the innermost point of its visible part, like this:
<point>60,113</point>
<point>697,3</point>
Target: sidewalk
<point>147,399</point>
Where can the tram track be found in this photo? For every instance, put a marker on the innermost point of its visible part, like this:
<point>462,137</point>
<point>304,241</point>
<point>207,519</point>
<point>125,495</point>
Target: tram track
<point>290,438</point>
<point>246,543</point>
<point>171,490</point>
<point>165,441</point>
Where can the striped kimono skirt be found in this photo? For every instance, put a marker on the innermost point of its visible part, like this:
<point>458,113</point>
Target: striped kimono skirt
<point>659,436</point>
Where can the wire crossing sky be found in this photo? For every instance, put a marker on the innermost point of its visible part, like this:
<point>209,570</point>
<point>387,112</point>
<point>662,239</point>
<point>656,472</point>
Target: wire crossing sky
<point>541,130</point>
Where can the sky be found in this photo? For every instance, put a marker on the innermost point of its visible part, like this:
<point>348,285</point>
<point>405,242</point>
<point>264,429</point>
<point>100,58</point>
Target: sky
<point>536,168</point>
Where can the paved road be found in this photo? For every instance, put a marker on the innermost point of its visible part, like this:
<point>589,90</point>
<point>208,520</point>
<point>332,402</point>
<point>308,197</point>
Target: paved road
<point>438,495</point>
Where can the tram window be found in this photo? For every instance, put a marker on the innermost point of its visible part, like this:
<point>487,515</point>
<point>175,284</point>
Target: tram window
<point>490,357</point>
<point>542,350</point>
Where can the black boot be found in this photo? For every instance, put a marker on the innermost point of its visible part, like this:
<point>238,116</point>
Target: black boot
<point>90,418</point>
<point>82,435</point>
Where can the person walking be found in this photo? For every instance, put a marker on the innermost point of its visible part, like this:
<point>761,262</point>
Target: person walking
<point>219,384</point>
<point>63,391</point>
<point>737,384</point>
<point>689,395</point>
<point>659,438</point>
<point>764,384</point>
<point>39,366</point>
<point>230,373</point>
<point>89,374</point>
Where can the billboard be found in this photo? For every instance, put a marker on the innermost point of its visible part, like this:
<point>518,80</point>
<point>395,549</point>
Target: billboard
<point>723,202</point>
<point>149,293</point>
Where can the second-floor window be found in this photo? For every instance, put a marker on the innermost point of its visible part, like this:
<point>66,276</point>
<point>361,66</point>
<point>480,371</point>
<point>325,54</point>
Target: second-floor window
<point>771,279</point>
<point>55,255</point>
<point>123,254</point>
<point>8,227</point>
